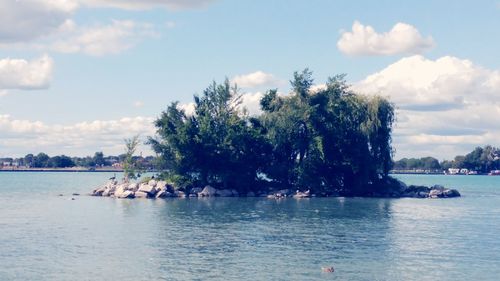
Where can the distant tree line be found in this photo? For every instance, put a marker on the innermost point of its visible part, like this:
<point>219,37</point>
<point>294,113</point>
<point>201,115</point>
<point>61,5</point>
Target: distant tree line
<point>326,140</point>
<point>42,160</point>
<point>481,159</point>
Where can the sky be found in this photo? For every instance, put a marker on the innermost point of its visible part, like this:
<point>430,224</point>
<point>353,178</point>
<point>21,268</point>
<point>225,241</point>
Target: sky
<point>80,76</point>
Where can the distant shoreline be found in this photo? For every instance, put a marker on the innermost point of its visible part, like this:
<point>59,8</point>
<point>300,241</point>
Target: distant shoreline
<point>72,170</point>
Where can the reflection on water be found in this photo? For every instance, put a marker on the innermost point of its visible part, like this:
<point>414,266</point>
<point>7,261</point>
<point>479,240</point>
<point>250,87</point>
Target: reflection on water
<point>46,237</point>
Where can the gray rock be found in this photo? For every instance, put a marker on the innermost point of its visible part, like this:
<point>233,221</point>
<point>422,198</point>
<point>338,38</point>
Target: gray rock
<point>451,193</point>
<point>208,191</point>
<point>99,191</point>
<point>180,194</point>
<point>141,194</point>
<point>251,194</point>
<point>423,194</point>
<point>435,193</point>
<point>147,189</point>
<point>235,193</point>
<point>152,183</point>
<point>196,190</point>
<point>132,186</point>
<point>161,194</point>
<point>126,194</point>
<point>193,195</point>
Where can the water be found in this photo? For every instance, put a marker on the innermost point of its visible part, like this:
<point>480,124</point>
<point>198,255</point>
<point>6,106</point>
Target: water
<point>47,237</point>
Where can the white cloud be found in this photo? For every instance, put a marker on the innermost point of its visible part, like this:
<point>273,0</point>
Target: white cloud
<point>401,39</point>
<point>31,19</point>
<point>20,137</point>
<point>26,75</point>
<point>138,103</point>
<point>103,39</point>
<point>251,102</point>
<point>445,106</point>
<point>256,79</point>
<point>148,4</point>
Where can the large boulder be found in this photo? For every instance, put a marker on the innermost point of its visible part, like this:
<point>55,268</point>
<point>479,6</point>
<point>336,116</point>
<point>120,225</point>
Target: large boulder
<point>141,194</point>
<point>161,185</point>
<point>152,183</point>
<point>98,191</point>
<point>435,193</point>
<point>146,188</point>
<point>132,187</point>
<point>125,194</point>
<point>208,191</point>
<point>451,193</point>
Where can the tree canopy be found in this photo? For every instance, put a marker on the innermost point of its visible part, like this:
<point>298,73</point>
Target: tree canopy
<point>329,140</point>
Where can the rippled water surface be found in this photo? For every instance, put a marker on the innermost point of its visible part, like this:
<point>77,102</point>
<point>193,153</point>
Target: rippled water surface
<point>47,237</point>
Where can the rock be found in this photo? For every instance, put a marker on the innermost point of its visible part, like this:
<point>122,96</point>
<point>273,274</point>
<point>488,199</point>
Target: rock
<point>196,190</point>
<point>437,187</point>
<point>141,194</point>
<point>146,188</point>
<point>152,183</point>
<point>98,191</point>
<point>107,193</point>
<point>161,194</point>
<point>180,194</point>
<point>193,195</point>
<point>235,193</point>
<point>161,185</point>
<point>271,196</point>
<point>451,193</point>
<point>251,194</point>
<point>125,194</point>
<point>208,191</point>
<point>423,194</point>
<point>132,187</point>
<point>224,193</point>
<point>76,194</point>
<point>170,188</point>
<point>305,194</point>
<point>435,193</point>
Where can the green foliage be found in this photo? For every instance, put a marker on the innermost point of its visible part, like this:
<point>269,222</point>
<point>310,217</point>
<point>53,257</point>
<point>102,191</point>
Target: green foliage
<point>130,165</point>
<point>331,140</point>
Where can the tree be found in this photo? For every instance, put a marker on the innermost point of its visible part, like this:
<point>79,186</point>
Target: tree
<point>62,161</point>
<point>98,159</point>
<point>41,160</point>
<point>332,140</point>
<point>130,165</point>
<point>217,145</point>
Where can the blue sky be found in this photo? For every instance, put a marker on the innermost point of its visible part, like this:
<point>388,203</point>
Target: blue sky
<point>78,76</point>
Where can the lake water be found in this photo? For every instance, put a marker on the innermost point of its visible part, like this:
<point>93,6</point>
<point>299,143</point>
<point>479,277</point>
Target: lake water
<point>47,237</point>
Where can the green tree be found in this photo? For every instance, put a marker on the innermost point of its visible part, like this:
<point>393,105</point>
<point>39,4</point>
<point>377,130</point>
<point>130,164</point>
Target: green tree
<point>98,159</point>
<point>41,160</point>
<point>130,165</point>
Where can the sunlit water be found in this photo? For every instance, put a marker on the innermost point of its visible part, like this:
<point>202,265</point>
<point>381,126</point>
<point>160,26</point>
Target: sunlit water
<point>47,237</point>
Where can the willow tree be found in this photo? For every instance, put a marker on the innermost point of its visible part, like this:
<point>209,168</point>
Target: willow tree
<point>328,140</point>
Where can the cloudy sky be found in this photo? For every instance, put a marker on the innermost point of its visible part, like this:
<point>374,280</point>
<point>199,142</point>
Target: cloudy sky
<point>79,76</point>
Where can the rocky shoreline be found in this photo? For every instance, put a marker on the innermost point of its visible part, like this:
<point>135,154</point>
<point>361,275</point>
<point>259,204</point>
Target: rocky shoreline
<point>154,189</point>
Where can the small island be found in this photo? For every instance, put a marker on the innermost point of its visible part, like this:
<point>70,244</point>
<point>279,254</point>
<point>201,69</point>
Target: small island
<point>312,142</point>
